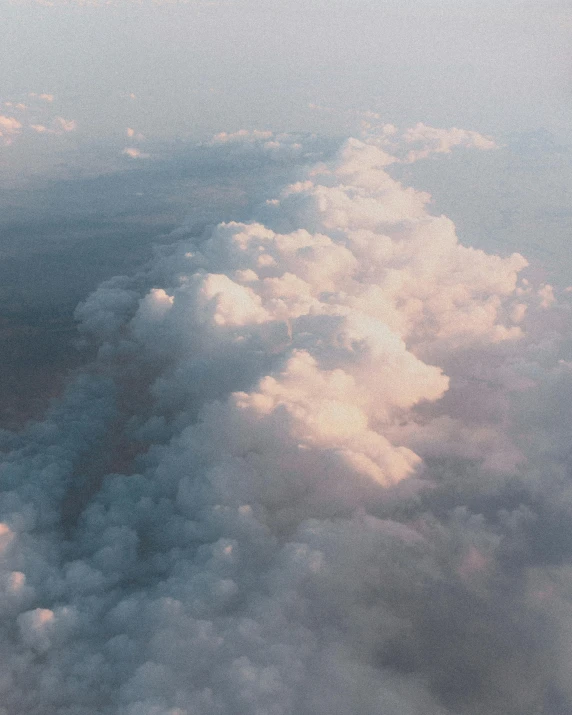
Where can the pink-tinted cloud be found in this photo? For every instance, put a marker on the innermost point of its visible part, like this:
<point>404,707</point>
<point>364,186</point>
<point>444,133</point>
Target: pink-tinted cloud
<point>134,153</point>
<point>10,127</point>
<point>347,428</point>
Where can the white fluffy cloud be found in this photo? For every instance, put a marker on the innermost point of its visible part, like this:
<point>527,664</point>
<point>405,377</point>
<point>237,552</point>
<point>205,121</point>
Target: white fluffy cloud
<point>420,141</point>
<point>303,473</point>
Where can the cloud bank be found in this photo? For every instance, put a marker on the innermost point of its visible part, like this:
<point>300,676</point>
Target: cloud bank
<point>320,465</point>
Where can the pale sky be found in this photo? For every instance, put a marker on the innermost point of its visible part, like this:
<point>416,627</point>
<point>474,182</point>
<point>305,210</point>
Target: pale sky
<point>201,67</point>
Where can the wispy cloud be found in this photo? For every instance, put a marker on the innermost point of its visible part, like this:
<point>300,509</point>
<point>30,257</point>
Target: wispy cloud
<point>35,116</point>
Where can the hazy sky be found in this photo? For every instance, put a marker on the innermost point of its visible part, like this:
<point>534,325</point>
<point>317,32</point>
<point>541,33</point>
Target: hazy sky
<point>199,67</point>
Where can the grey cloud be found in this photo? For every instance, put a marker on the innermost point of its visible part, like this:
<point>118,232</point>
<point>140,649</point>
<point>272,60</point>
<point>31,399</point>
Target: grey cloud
<point>302,474</point>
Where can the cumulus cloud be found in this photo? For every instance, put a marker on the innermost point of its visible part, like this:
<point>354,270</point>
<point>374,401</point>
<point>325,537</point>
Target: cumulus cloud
<point>307,472</point>
<point>441,141</point>
<point>420,141</point>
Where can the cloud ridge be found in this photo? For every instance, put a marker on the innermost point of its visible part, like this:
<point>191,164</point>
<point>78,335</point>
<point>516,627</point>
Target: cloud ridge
<point>303,474</point>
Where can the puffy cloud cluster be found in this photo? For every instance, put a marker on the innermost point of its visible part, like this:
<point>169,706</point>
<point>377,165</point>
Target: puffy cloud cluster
<point>280,146</point>
<point>59,125</point>
<point>420,141</point>
<point>32,117</point>
<point>320,465</point>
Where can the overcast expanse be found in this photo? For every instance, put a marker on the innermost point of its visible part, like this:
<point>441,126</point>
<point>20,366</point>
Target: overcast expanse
<point>286,345</point>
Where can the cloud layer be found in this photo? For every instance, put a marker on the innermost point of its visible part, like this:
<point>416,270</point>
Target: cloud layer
<point>320,465</point>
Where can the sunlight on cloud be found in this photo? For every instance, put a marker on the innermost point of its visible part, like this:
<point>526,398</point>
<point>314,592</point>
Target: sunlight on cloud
<point>338,428</point>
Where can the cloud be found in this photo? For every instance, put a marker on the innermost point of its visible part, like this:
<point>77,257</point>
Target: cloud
<point>9,128</point>
<point>65,125</point>
<point>44,122</point>
<point>304,473</point>
<point>275,146</point>
<point>59,125</point>
<point>134,153</point>
<point>421,141</point>
<point>44,96</point>
<point>441,141</point>
<point>136,136</point>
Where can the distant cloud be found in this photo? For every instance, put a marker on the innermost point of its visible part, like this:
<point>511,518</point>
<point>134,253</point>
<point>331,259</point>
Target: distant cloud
<point>134,153</point>
<point>59,125</point>
<point>9,124</point>
<point>132,134</point>
<point>43,120</point>
<point>10,127</point>
<point>441,141</point>
<point>415,143</point>
<point>65,125</point>
<point>274,145</point>
<point>243,135</point>
<point>43,96</point>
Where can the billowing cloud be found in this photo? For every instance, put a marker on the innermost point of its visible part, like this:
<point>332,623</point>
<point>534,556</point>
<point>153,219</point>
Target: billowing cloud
<point>320,465</point>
